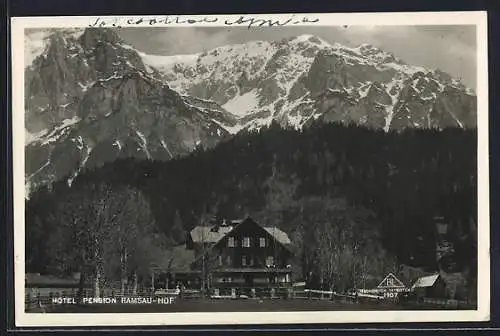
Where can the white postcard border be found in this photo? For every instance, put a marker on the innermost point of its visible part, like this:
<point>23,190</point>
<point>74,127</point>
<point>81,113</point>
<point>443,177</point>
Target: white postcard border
<point>230,318</point>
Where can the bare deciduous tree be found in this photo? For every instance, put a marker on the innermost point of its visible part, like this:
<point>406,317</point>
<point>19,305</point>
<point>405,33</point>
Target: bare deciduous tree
<point>106,228</point>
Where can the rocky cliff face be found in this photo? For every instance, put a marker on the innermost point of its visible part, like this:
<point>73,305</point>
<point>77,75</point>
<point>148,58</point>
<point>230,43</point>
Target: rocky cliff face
<point>90,99</point>
<point>297,80</point>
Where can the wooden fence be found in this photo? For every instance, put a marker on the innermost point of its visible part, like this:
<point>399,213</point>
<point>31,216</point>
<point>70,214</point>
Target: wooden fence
<point>312,294</point>
<point>450,304</point>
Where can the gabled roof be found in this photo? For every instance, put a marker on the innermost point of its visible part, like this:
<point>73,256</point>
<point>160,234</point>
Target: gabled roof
<point>396,282</point>
<point>206,234</point>
<point>426,281</point>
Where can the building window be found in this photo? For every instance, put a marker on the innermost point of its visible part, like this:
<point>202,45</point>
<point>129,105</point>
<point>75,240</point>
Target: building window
<point>251,261</point>
<point>270,261</point>
<point>246,242</point>
<point>230,242</point>
<point>220,260</point>
<point>262,242</point>
<point>390,282</point>
<point>243,261</point>
<point>228,260</point>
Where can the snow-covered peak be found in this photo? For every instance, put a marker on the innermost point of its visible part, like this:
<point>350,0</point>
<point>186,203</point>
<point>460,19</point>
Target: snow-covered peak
<point>376,54</point>
<point>162,63</point>
<point>249,49</point>
<point>312,39</point>
<point>229,53</point>
<point>366,46</point>
<point>368,49</point>
<point>34,45</point>
<point>37,41</point>
<point>72,32</point>
<point>260,81</point>
<point>303,37</point>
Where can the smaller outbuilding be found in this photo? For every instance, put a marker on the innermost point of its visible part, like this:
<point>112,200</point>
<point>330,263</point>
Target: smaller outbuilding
<point>431,286</point>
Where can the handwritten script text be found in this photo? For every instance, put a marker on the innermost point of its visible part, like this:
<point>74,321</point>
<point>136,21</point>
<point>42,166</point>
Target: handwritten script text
<point>248,21</point>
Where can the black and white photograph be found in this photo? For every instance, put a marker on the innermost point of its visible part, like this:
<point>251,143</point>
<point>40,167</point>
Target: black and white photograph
<point>259,168</point>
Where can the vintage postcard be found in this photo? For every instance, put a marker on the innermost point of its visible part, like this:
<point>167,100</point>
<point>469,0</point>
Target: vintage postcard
<point>251,169</point>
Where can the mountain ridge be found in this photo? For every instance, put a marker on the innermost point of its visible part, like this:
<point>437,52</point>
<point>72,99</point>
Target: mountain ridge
<point>91,97</point>
<point>242,83</point>
<point>91,101</point>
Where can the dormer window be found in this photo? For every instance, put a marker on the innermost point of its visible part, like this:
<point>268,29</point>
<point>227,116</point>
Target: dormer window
<point>230,242</point>
<point>246,242</point>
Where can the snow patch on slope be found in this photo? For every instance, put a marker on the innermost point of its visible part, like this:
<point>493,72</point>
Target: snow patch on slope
<point>83,162</point>
<point>118,145</point>
<point>393,89</point>
<point>242,105</point>
<point>44,137</point>
<point>164,145</point>
<point>459,123</point>
<point>183,71</point>
<point>363,90</point>
<point>34,137</point>
<point>40,169</point>
<point>143,144</point>
<point>231,129</point>
<point>163,63</point>
<point>309,38</point>
<point>404,68</point>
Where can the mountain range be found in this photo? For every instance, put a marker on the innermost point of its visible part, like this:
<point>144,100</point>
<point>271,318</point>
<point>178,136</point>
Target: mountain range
<point>91,98</point>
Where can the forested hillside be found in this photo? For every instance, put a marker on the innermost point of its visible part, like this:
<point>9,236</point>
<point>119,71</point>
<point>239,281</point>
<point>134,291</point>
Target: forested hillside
<point>370,194</point>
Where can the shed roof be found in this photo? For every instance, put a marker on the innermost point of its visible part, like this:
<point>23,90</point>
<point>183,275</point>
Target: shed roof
<point>45,280</point>
<point>278,234</point>
<point>426,281</point>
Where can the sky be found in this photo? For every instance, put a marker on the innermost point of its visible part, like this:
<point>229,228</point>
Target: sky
<point>451,49</point>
